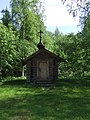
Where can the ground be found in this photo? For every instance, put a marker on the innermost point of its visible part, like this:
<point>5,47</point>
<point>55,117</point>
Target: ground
<point>68,99</point>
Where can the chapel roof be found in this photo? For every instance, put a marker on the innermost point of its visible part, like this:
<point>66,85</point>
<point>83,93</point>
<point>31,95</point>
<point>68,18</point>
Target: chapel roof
<point>43,51</point>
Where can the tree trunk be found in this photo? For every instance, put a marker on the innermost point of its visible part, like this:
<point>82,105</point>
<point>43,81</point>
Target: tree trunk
<point>23,71</point>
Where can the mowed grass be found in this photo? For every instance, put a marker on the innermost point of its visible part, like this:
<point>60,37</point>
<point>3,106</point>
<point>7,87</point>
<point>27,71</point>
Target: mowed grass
<point>67,100</point>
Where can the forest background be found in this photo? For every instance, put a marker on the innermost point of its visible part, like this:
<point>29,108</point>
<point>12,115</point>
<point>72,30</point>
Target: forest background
<point>19,38</point>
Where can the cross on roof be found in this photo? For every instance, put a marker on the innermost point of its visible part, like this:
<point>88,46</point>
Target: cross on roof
<point>40,35</point>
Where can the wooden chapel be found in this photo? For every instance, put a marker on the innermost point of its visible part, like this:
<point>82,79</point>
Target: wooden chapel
<point>42,66</point>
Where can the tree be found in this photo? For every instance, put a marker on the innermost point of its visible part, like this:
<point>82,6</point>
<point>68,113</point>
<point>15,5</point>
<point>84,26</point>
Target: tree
<point>27,22</point>
<point>8,49</point>
<point>81,8</point>
<point>78,7</point>
<point>56,31</point>
<point>69,47</point>
<point>6,19</point>
<point>85,45</point>
<point>25,18</point>
<point>48,40</point>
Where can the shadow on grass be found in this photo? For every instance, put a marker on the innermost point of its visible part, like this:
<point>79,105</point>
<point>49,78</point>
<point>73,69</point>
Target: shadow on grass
<point>69,99</point>
<point>61,82</point>
<point>48,106</point>
<point>74,82</point>
<point>15,82</point>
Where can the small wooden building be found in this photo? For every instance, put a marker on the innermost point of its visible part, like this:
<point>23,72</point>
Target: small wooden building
<point>42,66</point>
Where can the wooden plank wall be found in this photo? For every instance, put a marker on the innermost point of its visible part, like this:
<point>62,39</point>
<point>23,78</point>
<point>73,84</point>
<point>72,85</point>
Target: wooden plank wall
<point>28,71</point>
<point>31,68</point>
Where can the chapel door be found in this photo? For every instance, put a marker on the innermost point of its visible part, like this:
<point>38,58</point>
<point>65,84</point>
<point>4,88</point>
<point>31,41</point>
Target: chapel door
<point>42,70</point>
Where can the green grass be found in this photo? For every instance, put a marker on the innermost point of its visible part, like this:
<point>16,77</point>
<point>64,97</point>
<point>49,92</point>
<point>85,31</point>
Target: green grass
<point>67,100</point>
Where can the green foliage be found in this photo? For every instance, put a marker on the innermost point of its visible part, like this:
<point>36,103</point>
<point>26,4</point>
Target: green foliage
<point>48,40</point>
<point>6,17</point>
<point>8,48</point>
<point>27,23</point>
<point>70,47</point>
<point>85,45</point>
<point>20,33</point>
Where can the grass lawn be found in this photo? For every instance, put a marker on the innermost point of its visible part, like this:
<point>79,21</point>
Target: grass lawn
<point>67,100</point>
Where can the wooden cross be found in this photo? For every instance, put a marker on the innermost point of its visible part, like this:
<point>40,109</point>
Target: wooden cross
<point>40,35</point>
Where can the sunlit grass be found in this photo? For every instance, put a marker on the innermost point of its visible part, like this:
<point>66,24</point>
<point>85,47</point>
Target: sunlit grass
<point>67,100</point>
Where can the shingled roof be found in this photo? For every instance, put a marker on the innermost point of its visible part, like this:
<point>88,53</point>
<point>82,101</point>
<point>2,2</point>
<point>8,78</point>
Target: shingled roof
<point>43,51</point>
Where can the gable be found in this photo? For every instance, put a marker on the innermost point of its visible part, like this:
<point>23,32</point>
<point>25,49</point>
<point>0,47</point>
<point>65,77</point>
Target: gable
<point>43,53</point>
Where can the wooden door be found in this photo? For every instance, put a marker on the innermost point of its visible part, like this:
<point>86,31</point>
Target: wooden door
<point>42,70</point>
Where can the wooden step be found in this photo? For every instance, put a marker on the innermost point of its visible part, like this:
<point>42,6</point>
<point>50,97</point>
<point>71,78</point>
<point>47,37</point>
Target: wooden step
<point>44,83</point>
